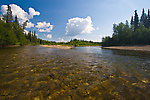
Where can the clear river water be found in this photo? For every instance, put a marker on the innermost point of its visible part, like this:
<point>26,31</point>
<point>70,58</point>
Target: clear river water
<point>81,73</point>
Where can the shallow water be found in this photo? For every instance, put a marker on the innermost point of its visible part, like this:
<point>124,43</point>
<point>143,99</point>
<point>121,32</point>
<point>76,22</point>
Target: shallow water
<point>34,72</point>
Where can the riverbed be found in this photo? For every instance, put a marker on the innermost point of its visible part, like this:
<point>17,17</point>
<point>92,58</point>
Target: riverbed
<point>84,73</point>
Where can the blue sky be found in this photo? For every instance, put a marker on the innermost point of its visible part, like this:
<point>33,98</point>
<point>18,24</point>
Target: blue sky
<point>94,17</point>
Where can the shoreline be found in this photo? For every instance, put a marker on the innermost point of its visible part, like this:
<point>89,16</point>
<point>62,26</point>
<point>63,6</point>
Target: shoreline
<point>135,48</point>
<point>88,46</point>
<point>58,46</point>
<point>63,46</point>
<point>10,46</point>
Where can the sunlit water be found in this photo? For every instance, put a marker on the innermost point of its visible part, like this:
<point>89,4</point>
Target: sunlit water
<point>82,73</point>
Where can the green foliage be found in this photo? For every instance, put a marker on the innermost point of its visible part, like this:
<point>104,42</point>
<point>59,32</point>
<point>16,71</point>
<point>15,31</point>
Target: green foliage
<point>76,42</point>
<point>12,33</point>
<point>135,34</point>
<point>7,35</point>
<point>73,42</point>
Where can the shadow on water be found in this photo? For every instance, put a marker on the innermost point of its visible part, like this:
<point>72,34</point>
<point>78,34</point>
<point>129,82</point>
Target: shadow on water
<point>34,72</point>
<point>139,54</point>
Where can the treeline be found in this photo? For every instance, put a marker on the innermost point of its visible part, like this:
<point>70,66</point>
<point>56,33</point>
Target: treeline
<point>76,42</point>
<point>12,33</point>
<point>135,33</point>
<point>73,42</point>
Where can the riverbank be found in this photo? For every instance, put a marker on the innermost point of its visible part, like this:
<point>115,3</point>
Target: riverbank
<point>137,48</point>
<point>10,46</point>
<point>58,46</point>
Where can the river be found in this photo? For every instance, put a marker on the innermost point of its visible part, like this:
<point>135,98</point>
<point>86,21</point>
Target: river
<point>84,73</point>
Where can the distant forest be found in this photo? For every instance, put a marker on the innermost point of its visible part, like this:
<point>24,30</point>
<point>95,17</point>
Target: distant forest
<point>12,33</point>
<point>74,42</point>
<point>137,32</point>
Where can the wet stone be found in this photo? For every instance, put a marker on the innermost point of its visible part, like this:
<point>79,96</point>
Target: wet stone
<point>70,75</point>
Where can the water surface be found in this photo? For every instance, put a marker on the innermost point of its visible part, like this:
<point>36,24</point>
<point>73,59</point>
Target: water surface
<point>34,72</point>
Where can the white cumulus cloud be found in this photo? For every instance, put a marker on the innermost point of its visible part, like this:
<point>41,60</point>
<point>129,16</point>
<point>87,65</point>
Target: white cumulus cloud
<point>76,26</point>
<point>49,36</point>
<point>19,12</point>
<point>32,12</point>
<point>4,9</point>
<point>29,25</point>
<point>44,27</point>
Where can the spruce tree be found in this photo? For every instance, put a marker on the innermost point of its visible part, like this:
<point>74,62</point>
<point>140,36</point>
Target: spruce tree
<point>34,37</point>
<point>148,13</point>
<point>132,21</point>
<point>9,17</point>
<point>136,20</point>
<point>16,20</point>
<point>25,24</point>
<point>148,18</point>
<point>127,23</point>
<point>142,17</point>
<point>29,36</point>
